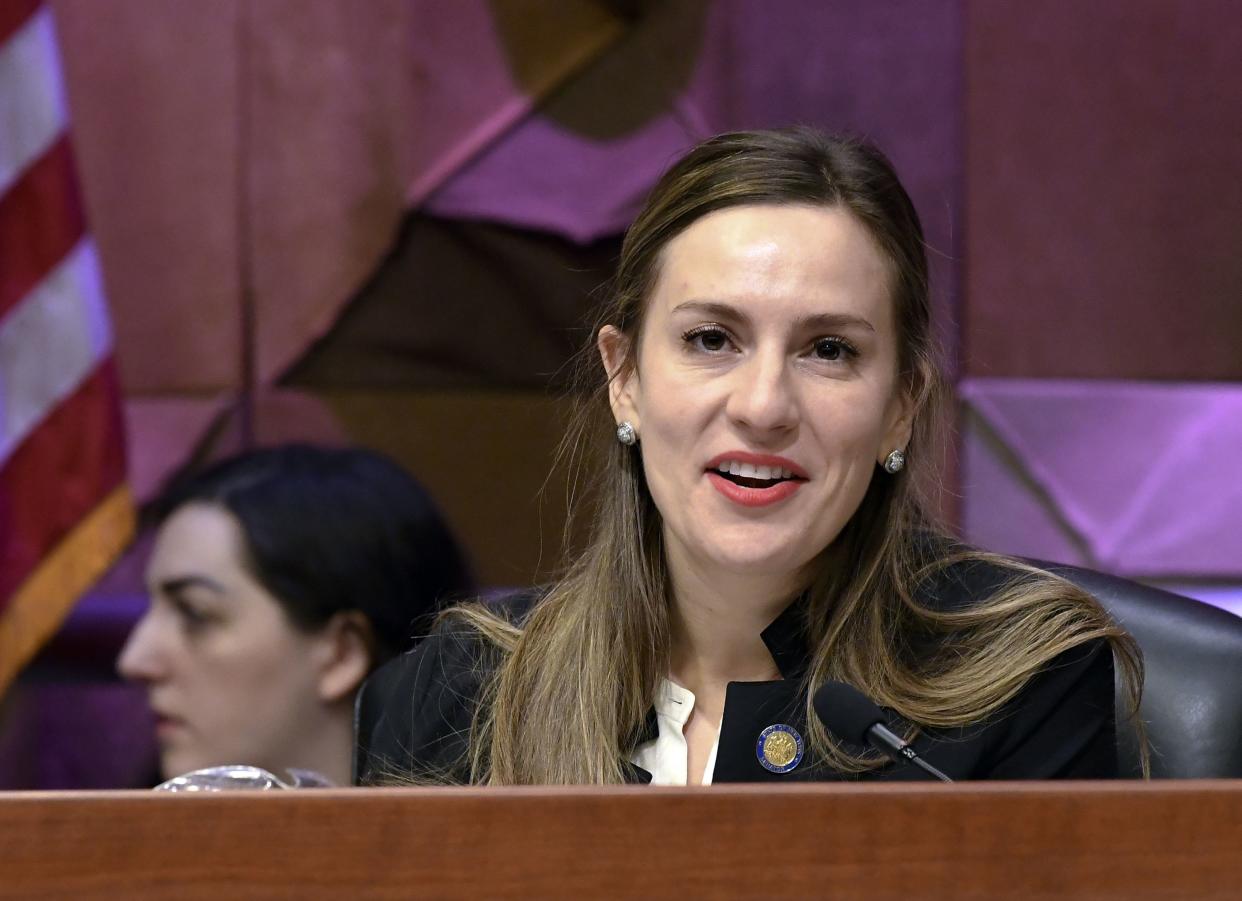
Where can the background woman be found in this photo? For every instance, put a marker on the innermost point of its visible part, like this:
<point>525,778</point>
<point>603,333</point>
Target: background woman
<point>769,374</point>
<point>279,579</point>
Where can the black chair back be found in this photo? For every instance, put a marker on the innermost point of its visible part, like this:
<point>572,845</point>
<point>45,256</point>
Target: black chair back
<point>1192,693</point>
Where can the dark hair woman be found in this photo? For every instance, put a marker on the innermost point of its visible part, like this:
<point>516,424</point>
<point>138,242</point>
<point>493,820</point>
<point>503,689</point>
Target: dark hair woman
<point>279,579</point>
<point>767,401</point>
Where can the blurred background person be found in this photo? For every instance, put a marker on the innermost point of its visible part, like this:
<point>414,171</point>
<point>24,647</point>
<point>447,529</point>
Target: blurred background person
<point>279,579</point>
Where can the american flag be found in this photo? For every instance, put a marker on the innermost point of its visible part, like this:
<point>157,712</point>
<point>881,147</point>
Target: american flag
<point>65,507</point>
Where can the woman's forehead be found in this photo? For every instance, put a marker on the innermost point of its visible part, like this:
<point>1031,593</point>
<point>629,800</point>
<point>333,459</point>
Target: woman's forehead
<point>795,260</point>
<point>197,539</point>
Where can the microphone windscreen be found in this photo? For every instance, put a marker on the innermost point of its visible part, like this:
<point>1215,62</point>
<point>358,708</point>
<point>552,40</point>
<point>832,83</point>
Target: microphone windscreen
<point>846,712</point>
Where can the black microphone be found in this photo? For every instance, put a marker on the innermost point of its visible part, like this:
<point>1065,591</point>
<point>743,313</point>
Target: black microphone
<point>849,714</point>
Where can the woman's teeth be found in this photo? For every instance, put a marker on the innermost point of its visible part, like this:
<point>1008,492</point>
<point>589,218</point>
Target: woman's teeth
<point>750,471</point>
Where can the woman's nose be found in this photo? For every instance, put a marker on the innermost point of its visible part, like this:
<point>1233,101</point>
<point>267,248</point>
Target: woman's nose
<point>762,398</point>
<point>142,658</point>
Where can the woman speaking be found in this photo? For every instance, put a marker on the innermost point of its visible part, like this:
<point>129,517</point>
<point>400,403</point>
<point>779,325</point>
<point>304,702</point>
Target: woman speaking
<point>764,387</point>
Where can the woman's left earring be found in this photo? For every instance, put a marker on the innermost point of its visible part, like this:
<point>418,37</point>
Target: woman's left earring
<point>626,434</point>
<point>894,462</point>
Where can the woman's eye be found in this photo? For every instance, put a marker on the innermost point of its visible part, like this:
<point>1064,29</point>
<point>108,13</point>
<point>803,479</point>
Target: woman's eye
<point>707,338</point>
<point>833,350</point>
<point>192,619</point>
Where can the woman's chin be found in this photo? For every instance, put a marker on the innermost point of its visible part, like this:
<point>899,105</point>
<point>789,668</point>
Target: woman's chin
<point>756,563</point>
<point>178,764</point>
<point>177,761</point>
<point>748,554</point>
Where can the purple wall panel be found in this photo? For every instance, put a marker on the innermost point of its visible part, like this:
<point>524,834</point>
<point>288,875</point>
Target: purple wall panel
<point>1139,479</point>
<point>1226,597</point>
<point>1103,226</point>
<point>891,72</point>
<point>75,735</point>
<point>1104,214</point>
<point>1002,508</point>
<point>542,176</point>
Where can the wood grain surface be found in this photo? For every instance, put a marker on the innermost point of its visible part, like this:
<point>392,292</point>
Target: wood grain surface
<point>1030,840</point>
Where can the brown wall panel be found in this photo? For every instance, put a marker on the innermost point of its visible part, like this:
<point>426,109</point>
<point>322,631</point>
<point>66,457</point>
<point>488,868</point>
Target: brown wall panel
<point>153,94</point>
<point>329,120</point>
<point>1104,208</point>
<point>485,456</point>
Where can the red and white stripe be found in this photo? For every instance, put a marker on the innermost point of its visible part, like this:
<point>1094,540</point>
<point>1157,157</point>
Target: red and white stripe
<point>65,510</point>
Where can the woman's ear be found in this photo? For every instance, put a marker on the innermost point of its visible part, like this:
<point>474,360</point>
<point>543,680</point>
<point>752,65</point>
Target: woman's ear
<point>346,644</point>
<point>614,348</point>
<point>900,425</point>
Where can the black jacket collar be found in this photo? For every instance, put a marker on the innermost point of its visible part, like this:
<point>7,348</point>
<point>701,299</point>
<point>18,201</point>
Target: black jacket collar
<point>787,642</point>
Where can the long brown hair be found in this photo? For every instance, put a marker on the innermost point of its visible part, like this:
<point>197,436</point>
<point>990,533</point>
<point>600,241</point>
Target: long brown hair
<point>569,688</point>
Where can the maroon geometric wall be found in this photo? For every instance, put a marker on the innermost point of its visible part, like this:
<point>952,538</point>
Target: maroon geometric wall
<point>248,168</point>
<point>1104,245</point>
<point>1104,207</point>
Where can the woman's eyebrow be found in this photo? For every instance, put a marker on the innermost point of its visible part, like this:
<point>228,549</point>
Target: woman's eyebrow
<point>179,584</point>
<point>721,310</point>
<point>713,308</point>
<point>834,320</point>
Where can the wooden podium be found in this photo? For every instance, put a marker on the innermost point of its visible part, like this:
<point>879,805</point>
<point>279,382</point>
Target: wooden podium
<point>1121,840</point>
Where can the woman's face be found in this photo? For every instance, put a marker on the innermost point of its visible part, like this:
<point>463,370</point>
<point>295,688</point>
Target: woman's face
<point>766,386</point>
<point>230,679</point>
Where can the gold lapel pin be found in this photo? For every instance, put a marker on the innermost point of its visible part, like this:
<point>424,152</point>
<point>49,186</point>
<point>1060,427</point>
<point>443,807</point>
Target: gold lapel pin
<point>779,748</point>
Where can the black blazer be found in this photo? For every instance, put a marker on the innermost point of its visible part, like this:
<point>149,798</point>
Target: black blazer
<point>417,710</point>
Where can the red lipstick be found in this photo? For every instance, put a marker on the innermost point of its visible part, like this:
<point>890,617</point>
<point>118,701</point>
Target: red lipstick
<point>769,460</point>
<point>747,496</point>
<point>166,724</point>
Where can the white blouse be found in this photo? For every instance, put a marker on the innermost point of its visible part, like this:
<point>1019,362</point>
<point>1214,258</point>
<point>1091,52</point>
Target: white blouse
<point>665,757</point>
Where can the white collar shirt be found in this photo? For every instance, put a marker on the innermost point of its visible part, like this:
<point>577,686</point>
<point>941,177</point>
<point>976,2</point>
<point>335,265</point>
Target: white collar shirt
<point>666,756</point>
